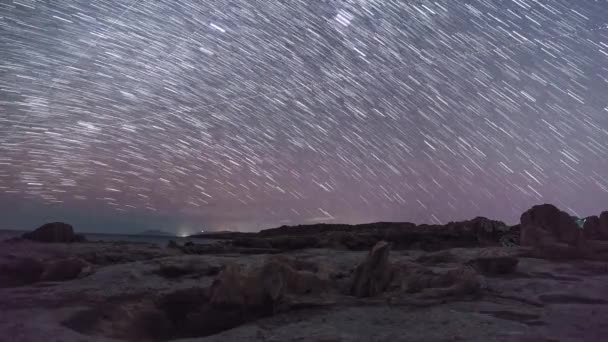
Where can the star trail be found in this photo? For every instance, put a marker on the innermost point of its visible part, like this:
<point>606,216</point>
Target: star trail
<point>253,114</point>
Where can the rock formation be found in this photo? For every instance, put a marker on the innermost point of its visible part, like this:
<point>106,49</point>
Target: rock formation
<point>374,274</point>
<point>54,232</point>
<point>545,223</point>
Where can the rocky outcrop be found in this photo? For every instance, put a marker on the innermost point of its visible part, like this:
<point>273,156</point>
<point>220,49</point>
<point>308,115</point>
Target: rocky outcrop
<point>545,223</point>
<point>426,283</point>
<point>374,274</point>
<point>263,289</point>
<point>554,234</point>
<point>54,232</point>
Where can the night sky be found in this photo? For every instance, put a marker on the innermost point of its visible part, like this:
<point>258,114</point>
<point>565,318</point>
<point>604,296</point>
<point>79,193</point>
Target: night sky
<point>248,114</point>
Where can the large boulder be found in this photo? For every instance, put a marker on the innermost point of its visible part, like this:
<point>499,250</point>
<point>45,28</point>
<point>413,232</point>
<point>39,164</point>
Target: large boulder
<point>374,274</point>
<point>54,232</point>
<point>65,269</point>
<point>20,271</point>
<point>556,235</point>
<point>545,222</point>
<point>262,290</point>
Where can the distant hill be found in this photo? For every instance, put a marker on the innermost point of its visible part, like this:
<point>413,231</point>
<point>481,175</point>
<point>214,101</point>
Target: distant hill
<point>156,232</point>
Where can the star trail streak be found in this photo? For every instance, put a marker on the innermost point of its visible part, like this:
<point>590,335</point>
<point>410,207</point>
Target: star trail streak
<point>251,114</point>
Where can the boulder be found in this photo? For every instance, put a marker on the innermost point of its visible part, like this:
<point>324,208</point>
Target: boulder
<point>173,245</point>
<point>462,280</point>
<point>261,290</point>
<point>65,269</point>
<point>374,274</point>
<point>548,218</point>
<point>54,232</point>
<point>20,271</point>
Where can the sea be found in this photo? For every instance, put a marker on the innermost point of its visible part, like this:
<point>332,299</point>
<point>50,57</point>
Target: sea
<point>156,239</point>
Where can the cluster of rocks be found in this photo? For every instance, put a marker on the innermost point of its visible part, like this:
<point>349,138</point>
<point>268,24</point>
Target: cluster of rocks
<point>554,234</point>
<point>244,293</point>
<point>473,233</point>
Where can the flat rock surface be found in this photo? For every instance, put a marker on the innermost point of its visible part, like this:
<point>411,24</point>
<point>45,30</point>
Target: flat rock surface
<point>541,301</point>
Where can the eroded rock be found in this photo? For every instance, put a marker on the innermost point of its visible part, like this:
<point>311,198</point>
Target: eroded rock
<point>374,274</point>
<point>554,224</point>
<point>65,269</point>
<point>20,271</point>
<point>54,232</point>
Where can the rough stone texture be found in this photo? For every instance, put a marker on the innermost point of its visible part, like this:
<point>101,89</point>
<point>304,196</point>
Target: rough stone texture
<point>65,269</point>
<point>550,219</point>
<point>456,281</point>
<point>53,232</point>
<point>374,274</point>
<point>544,300</point>
<point>262,289</point>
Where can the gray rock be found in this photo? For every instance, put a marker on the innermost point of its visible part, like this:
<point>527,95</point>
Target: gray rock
<point>54,232</point>
<point>374,274</point>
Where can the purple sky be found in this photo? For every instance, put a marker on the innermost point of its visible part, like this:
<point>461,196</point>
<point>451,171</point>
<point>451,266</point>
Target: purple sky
<point>120,116</point>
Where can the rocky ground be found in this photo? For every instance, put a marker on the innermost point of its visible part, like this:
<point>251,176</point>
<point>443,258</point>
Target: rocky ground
<point>84,291</point>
